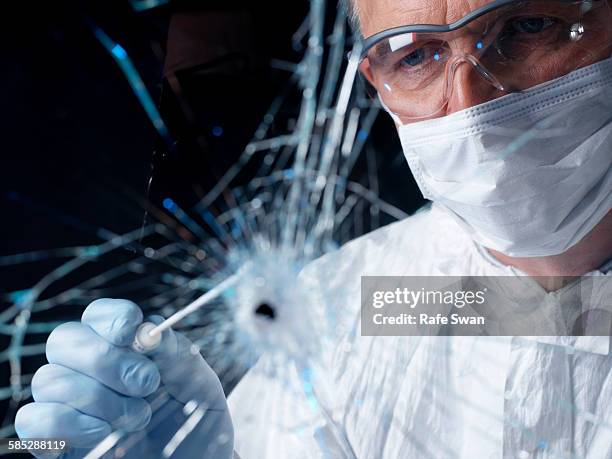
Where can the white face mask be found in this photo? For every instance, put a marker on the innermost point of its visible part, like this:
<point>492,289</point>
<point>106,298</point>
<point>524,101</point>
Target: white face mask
<point>528,174</point>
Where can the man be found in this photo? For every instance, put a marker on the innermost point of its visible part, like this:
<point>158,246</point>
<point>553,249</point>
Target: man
<point>504,113</point>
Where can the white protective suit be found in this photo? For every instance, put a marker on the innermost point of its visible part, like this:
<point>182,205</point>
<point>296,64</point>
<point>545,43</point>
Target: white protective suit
<point>428,397</point>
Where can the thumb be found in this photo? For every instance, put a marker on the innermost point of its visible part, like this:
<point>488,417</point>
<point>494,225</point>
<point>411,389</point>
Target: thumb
<point>184,372</point>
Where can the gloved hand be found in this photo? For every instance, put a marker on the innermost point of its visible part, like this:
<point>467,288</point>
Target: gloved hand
<point>95,384</point>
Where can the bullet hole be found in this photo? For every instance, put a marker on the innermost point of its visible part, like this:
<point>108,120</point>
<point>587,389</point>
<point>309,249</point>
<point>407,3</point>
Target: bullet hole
<point>265,311</point>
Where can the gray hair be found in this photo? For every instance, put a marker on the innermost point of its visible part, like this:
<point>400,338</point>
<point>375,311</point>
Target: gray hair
<point>352,13</point>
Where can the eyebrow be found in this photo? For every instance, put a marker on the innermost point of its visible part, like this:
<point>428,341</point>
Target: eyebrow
<point>381,51</point>
<point>385,48</point>
<point>393,44</point>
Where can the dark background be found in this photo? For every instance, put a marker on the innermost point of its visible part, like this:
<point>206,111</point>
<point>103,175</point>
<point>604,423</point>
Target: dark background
<point>77,150</point>
<point>75,137</point>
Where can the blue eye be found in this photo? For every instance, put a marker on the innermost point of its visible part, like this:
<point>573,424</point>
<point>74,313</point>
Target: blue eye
<point>415,58</point>
<point>532,25</point>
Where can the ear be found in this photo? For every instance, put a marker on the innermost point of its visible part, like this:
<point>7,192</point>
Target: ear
<point>366,71</point>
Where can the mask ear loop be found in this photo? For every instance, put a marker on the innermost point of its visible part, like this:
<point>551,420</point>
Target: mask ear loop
<point>393,116</point>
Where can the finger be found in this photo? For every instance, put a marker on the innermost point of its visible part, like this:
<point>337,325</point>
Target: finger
<point>178,360</point>
<point>77,346</point>
<point>114,320</point>
<point>55,383</point>
<point>55,420</point>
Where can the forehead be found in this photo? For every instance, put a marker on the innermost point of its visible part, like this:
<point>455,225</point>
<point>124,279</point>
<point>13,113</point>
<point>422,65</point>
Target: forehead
<point>378,15</point>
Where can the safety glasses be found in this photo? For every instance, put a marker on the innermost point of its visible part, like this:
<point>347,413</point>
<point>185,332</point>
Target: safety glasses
<point>511,45</point>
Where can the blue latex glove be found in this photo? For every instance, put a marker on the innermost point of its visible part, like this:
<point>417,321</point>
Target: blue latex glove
<point>95,384</point>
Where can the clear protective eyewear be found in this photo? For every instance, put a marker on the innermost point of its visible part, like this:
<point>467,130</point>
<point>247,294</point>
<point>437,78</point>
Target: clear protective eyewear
<point>513,45</point>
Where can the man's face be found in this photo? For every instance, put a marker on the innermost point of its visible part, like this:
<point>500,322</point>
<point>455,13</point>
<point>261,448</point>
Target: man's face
<point>468,88</point>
